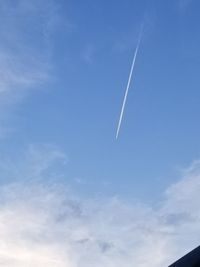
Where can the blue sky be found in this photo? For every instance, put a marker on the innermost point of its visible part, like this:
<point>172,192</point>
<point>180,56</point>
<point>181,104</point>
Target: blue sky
<point>64,66</point>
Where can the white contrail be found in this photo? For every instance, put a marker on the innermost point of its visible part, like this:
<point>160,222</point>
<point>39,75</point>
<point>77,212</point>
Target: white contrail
<point>129,81</point>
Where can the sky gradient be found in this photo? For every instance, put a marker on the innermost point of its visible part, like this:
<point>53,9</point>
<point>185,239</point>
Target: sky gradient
<point>67,185</point>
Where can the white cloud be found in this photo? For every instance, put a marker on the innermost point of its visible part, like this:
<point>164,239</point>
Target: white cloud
<point>26,30</point>
<point>46,224</point>
<point>41,161</point>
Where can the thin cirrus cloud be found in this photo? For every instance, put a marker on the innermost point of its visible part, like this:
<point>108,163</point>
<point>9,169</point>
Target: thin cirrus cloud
<point>25,42</point>
<point>184,4</point>
<point>47,224</point>
<point>26,31</point>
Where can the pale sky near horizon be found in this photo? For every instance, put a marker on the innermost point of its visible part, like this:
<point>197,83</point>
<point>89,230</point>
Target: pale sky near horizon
<point>64,67</point>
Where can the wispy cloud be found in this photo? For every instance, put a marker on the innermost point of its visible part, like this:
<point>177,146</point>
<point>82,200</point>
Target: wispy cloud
<point>25,35</point>
<point>88,53</point>
<point>184,4</point>
<point>26,29</point>
<point>39,162</point>
<point>49,225</point>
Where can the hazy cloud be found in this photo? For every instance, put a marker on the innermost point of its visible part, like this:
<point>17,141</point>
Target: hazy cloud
<point>26,30</point>
<point>183,4</point>
<point>50,225</point>
<point>88,53</point>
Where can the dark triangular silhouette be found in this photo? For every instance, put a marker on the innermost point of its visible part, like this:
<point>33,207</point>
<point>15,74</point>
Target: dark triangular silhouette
<point>192,259</point>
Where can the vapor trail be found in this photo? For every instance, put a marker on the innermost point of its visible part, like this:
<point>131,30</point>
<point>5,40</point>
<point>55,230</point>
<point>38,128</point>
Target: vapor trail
<point>129,81</point>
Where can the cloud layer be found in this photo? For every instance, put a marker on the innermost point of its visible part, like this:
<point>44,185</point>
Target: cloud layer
<point>50,225</point>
